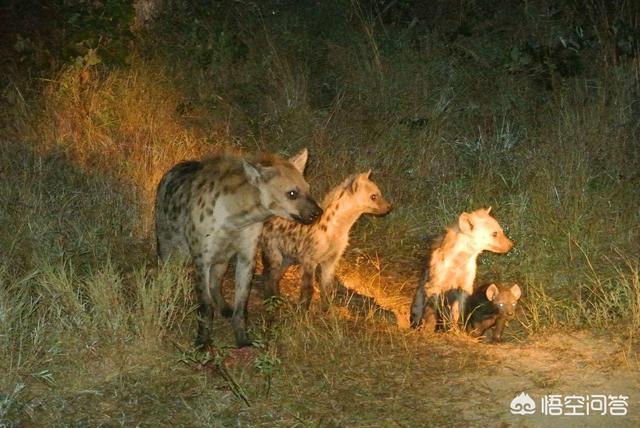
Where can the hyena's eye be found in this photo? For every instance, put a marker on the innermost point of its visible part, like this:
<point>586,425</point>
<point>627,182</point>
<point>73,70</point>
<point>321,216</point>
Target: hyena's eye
<point>494,234</point>
<point>292,194</point>
<point>501,304</point>
<point>374,197</point>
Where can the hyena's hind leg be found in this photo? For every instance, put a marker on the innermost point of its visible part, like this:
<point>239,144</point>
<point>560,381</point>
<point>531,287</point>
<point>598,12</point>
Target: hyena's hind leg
<point>217,272</point>
<point>208,277</point>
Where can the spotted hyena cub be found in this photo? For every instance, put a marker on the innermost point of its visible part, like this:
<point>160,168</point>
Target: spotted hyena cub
<point>492,306</point>
<point>321,244</point>
<point>214,209</point>
<point>452,263</point>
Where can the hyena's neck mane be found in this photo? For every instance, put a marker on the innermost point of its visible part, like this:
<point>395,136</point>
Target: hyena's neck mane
<point>339,213</point>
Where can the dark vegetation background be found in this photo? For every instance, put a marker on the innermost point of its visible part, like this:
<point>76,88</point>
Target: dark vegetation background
<point>529,107</point>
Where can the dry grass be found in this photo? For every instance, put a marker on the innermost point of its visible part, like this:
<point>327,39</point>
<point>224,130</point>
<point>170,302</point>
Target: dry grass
<point>93,332</point>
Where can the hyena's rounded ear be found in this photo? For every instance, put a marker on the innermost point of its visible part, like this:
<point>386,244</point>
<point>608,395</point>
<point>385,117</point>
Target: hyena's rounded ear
<point>299,160</point>
<point>492,292</point>
<point>253,172</point>
<point>257,173</point>
<point>464,223</point>
<point>353,183</point>
<point>515,290</point>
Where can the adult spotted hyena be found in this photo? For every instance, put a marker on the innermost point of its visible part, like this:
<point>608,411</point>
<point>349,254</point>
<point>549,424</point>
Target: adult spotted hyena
<point>214,209</point>
<point>452,263</point>
<point>285,243</point>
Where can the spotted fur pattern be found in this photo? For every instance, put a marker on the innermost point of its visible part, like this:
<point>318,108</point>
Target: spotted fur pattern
<point>323,243</point>
<point>214,209</point>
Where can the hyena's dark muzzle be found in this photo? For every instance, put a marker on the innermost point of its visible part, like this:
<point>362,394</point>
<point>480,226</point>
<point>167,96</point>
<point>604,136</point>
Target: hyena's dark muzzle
<point>308,211</point>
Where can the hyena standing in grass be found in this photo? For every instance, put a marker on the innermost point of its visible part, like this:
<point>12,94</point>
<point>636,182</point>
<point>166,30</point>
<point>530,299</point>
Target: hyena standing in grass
<point>452,263</point>
<point>214,209</point>
<point>321,244</point>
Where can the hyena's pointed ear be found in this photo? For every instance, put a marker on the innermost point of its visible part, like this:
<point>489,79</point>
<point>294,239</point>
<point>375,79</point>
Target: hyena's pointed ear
<point>299,160</point>
<point>488,210</point>
<point>367,175</point>
<point>492,292</point>
<point>464,223</point>
<point>252,171</point>
<point>515,290</point>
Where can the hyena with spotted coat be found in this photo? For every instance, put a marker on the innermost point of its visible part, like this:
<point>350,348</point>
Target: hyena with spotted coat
<point>452,263</point>
<point>214,209</point>
<point>323,243</point>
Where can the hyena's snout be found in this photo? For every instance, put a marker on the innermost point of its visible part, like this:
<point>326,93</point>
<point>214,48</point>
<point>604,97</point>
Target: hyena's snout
<point>384,207</point>
<point>509,312</point>
<point>308,211</point>
<point>499,243</point>
<point>504,244</point>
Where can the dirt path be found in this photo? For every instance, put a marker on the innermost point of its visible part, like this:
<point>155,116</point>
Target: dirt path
<point>562,364</point>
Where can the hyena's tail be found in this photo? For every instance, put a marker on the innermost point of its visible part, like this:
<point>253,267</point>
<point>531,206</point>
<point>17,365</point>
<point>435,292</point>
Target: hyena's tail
<point>419,301</point>
<point>417,307</point>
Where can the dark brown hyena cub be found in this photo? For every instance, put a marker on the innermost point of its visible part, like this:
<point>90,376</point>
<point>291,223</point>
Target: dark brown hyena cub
<point>492,306</point>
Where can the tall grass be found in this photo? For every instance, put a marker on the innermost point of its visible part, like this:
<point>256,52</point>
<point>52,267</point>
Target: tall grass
<point>447,122</point>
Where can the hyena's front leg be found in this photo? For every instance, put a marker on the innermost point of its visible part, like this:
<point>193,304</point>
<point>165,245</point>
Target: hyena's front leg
<point>246,246</point>
<point>480,327</point>
<point>244,273</point>
<point>327,276</point>
<point>497,331</point>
